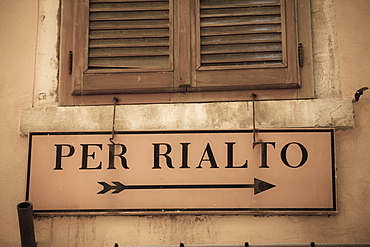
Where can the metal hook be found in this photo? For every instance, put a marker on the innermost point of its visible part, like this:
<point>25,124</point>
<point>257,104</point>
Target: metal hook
<point>359,93</point>
<point>115,100</point>
<point>254,96</point>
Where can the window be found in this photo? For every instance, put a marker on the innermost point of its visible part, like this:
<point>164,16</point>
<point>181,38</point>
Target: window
<point>183,50</point>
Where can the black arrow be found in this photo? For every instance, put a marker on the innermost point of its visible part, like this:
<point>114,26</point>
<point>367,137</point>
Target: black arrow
<point>258,186</point>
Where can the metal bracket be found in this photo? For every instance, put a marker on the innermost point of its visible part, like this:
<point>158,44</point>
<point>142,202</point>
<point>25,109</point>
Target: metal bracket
<point>254,96</point>
<point>300,55</point>
<point>70,62</point>
<point>115,100</point>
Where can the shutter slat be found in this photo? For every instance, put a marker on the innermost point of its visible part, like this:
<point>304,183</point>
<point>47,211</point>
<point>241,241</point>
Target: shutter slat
<point>237,3</point>
<point>115,25</point>
<point>98,16</point>
<point>128,42</point>
<point>248,29</point>
<point>128,6</point>
<point>245,20</point>
<point>132,33</point>
<point>123,1</point>
<point>242,57</point>
<point>129,62</point>
<point>129,52</point>
<point>241,48</point>
<point>240,39</point>
<point>271,10</point>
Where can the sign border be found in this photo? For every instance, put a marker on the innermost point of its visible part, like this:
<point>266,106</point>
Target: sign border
<point>222,211</point>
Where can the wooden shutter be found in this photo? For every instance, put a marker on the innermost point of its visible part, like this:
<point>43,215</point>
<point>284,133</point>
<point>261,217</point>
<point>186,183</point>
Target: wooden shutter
<point>152,46</point>
<point>248,44</point>
<point>126,46</point>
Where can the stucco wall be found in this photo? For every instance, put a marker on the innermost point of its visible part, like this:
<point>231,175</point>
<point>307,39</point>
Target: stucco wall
<point>28,89</point>
<point>18,30</point>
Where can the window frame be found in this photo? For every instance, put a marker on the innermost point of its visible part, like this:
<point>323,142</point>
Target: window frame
<point>181,77</point>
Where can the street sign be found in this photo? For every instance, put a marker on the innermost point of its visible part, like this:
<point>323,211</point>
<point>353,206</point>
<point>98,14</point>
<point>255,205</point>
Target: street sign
<point>226,171</point>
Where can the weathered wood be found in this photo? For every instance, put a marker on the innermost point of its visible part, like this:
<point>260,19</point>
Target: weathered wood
<point>123,1</point>
<point>129,34</point>
<point>137,42</point>
<point>247,29</point>
<point>244,79</point>
<point>237,3</point>
<point>140,62</point>
<point>134,46</point>
<point>182,44</point>
<point>239,20</point>
<point>243,45</point>
<point>242,57</point>
<point>241,39</point>
<point>132,15</point>
<point>128,6</point>
<point>241,48</point>
<point>116,25</point>
<point>129,52</point>
<point>270,10</point>
<point>66,45</point>
<point>133,83</point>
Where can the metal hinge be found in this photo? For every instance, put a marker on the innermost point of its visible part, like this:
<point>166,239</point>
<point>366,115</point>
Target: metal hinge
<point>300,54</point>
<point>70,61</point>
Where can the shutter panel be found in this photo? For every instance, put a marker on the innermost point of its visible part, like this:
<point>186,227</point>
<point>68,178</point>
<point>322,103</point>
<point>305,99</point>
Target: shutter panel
<point>240,33</point>
<point>129,47</point>
<point>244,44</point>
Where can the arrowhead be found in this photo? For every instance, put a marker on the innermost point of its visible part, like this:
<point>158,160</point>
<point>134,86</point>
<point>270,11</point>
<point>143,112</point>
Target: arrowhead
<point>106,188</point>
<point>260,186</point>
<point>119,187</point>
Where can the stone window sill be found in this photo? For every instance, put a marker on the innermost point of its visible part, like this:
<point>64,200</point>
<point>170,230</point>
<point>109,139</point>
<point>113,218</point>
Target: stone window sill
<point>317,113</point>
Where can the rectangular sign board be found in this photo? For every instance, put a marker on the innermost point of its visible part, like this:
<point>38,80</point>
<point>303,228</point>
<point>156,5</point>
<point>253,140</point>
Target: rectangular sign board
<point>226,171</point>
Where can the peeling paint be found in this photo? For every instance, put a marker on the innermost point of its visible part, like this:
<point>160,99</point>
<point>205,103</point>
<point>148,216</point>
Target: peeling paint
<point>41,96</point>
<point>54,63</point>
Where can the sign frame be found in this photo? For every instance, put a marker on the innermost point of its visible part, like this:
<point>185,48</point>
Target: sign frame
<point>217,211</point>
